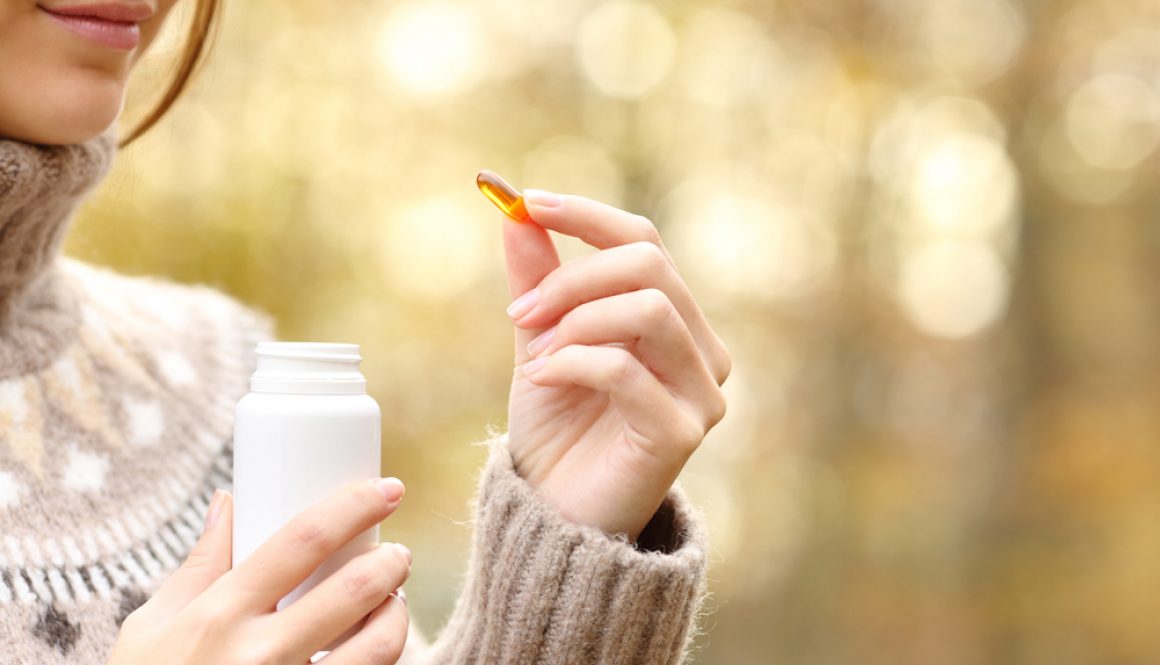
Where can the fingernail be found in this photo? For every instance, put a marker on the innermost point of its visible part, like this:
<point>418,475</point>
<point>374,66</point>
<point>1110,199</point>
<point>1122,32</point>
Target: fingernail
<point>534,366</point>
<point>538,197</point>
<point>401,594</point>
<point>215,509</point>
<point>406,552</point>
<point>524,303</point>
<point>541,341</point>
<point>391,488</point>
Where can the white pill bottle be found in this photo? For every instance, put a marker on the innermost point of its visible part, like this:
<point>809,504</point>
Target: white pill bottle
<point>306,428</point>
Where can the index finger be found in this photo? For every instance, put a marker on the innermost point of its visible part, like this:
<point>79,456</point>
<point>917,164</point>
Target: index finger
<point>289,556</point>
<point>598,224</point>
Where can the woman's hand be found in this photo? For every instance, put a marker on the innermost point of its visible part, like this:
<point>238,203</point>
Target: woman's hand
<point>207,613</point>
<point>618,373</point>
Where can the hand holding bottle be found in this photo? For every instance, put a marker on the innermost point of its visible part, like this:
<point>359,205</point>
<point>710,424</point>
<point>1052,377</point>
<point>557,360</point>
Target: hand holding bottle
<point>207,613</point>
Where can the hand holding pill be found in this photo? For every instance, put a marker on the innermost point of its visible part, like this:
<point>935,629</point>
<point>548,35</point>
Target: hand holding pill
<point>618,372</point>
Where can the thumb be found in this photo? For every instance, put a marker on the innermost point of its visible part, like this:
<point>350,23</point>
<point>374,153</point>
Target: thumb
<point>531,255</point>
<point>209,559</point>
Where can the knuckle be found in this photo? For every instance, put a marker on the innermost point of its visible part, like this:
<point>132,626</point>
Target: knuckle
<point>623,367</point>
<point>207,620</point>
<point>717,408</point>
<point>309,537</point>
<point>689,435</point>
<point>365,582</point>
<point>724,364</point>
<point>387,646</point>
<point>656,306</point>
<point>569,355</point>
<point>724,369</point>
<point>261,652</point>
<point>212,616</point>
<point>650,256</point>
<point>646,229</point>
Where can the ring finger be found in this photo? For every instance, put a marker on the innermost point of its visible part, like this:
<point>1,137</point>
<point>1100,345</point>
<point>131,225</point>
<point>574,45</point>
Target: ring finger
<point>344,598</point>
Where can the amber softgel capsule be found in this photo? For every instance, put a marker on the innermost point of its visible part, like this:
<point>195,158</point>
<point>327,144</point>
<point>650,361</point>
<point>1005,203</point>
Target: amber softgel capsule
<point>504,196</point>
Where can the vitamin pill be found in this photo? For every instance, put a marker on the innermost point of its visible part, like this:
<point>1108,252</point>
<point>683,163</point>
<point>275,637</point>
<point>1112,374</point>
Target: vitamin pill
<point>504,196</point>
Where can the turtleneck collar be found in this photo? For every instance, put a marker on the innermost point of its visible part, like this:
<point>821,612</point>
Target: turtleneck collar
<point>40,187</point>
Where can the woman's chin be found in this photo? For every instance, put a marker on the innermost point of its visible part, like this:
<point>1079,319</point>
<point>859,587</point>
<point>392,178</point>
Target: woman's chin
<point>74,133</point>
<point>63,116</point>
<point>56,135</point>
<point>77,125</point>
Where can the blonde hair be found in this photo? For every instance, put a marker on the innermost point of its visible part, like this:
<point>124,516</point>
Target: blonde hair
<point>197,45</point>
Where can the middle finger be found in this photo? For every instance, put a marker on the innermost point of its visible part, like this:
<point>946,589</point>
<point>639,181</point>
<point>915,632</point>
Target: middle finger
<point>297,549</point>
<point>618,270</point>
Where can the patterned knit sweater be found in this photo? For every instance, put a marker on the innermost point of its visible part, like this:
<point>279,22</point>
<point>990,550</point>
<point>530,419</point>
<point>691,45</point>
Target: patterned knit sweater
<point>116,406</point>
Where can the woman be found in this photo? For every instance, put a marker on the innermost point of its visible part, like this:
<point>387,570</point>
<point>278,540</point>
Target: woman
<point>116,396</point>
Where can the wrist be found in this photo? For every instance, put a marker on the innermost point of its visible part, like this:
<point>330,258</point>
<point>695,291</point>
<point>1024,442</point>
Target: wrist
<point>621,504</point>
<point>666,527</point>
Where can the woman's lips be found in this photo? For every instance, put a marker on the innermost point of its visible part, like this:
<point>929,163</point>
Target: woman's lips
<point>123,35</point>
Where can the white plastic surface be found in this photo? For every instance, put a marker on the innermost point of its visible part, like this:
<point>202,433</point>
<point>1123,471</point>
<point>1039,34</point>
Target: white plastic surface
<point>293,450</point>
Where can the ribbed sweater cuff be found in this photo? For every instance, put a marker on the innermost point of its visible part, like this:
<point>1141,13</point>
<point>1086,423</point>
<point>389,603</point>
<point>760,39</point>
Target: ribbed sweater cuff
<point>542,589</point>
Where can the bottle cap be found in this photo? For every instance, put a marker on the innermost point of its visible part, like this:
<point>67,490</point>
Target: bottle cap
<point>308,368</point>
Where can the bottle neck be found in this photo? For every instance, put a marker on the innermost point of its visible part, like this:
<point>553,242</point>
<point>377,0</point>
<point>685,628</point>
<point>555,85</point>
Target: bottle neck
<point>308,368</point>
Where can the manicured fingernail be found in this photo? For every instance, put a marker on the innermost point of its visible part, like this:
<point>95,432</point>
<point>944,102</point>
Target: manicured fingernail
<point>540,198</point>
<point>534,366</point>
<point>541,341</point>
<point>406,552</point>
<point>215,509</point>
<point>391,488</point>
<point>524,303</point>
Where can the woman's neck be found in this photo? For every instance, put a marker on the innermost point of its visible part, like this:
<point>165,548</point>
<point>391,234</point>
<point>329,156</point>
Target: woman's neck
<point>40,187</point>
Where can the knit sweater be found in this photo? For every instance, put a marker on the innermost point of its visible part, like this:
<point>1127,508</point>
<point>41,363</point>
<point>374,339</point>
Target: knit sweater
<point>116,407</point>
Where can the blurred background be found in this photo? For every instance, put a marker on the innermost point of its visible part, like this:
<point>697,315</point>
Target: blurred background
<point>924,228</point>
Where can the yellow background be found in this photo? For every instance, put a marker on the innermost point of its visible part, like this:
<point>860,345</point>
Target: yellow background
<point>925,230</point>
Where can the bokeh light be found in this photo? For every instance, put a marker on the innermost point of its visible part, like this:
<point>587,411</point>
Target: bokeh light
<point>964,185</point>
<point>726,57</point>
<point>924,229</point>
<point>432,47</point>
<point>742,244</point>
<point>575,164</point>
<point>952,288</point>
<point>432,249</point>
<point>626,47</point>
<point>1113,121</point>
<point>950,32</point>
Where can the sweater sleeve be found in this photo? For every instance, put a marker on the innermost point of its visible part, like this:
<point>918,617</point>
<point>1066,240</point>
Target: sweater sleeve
<point>541,589</point>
